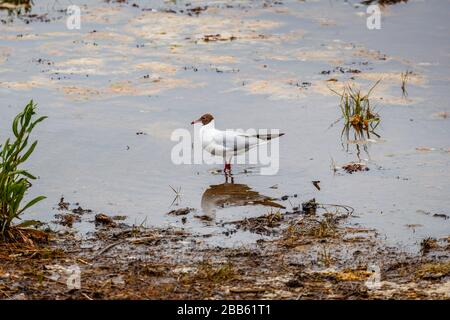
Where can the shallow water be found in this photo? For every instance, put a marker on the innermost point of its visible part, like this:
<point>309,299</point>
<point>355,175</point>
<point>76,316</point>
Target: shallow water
<point>129,69</point>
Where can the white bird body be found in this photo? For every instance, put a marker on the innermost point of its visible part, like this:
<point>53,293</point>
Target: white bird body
<point>228,143</point>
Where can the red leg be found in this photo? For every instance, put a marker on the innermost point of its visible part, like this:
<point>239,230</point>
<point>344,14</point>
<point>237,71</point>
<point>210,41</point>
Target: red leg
<point>227,168</point>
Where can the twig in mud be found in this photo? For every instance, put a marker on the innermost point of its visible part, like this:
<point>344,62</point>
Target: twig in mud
<point>349,209</point>
<point>86,296</point>
<point>112,245</point>
<point>84,262</point>
<point>248,290</point>
<point>9,297</point>
<point>176,286</point>
<point>198,290</point>
<point>139,240</point>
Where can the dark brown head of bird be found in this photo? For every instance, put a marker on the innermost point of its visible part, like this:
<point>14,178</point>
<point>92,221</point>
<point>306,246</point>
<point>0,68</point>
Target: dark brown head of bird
<point>204,119</point>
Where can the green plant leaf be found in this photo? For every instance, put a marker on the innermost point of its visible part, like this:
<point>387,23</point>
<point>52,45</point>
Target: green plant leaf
<point>36,122</point>
<point>29,223</point>
<point>32,203</point>
<point>14,181</point>
<point>28,153</point>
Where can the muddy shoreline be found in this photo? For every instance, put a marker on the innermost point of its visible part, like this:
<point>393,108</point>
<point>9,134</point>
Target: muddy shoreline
<point>311,256</point>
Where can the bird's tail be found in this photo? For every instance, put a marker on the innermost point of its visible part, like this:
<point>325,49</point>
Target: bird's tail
<point>268,136</point>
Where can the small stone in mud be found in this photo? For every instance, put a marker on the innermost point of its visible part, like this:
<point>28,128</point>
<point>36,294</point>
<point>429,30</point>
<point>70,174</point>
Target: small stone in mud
<point>181,211</point>
<point>103,219</point>
<point>309,207</point>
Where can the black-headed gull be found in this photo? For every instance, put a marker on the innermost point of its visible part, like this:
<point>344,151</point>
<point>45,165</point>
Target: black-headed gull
<point>228,143</point>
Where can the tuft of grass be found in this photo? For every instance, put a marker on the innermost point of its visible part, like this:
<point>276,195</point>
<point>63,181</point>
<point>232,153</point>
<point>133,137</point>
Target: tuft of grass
<point>324,257</point>
<point>356,110</point>
<point>427,244</point>
<point>14,181</point>
<point>177,198</point>
<point>360,118</point>
<point>404,76</point>
<point>273,218</point>
<point>216,274</point>
<point>433,270</point>
<point>325,228</point>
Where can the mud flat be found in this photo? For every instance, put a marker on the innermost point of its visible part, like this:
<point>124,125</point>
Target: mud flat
<point>309,255</point>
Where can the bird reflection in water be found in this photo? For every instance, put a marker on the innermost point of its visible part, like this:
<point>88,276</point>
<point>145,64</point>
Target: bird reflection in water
<point>232,194</point>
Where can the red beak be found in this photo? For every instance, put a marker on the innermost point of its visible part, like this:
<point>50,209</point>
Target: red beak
<point>196,121</point>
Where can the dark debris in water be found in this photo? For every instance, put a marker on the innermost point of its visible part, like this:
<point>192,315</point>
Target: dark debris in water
<point>316,184</point>
<point>353,167</point>
<point>217,37</point>
<point>196,10</point>
<point>67,220</point>
<point>441,215</point>
<point>383,2</point>
<point>204,217</point>
<point>62,205</point>
<point>80,211</point>
<point>67,217</point>
<point>180,212</point>
<point>309,207</point>
<point>103,219</point>
<point>340,70</point>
